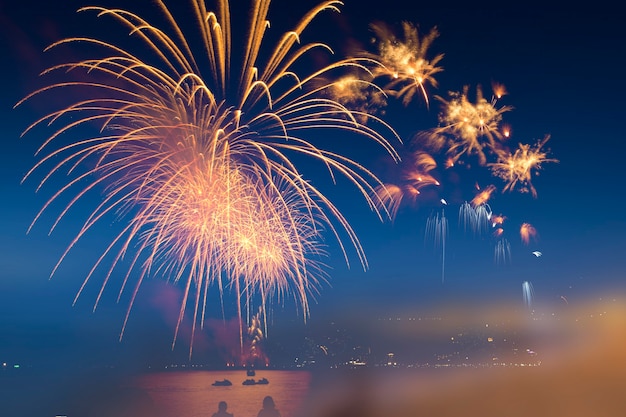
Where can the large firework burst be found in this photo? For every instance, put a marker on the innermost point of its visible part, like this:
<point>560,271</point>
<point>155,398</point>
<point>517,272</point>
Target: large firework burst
<point>195,152</point>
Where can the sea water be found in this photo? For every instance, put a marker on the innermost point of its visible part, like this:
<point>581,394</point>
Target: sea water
<point>106,393</point>
<point>192,393</point>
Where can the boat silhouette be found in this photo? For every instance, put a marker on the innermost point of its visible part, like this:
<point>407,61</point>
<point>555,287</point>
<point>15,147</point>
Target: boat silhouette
<point>251,381</point>
<point>222,383</point>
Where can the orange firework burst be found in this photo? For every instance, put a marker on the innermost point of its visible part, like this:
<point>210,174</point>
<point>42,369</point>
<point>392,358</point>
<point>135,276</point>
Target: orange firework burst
<point>415,176</point>
<point>197,156</point>
<point>497,220</point>
<point>517,168</point>
<point>483,196</point>
<point>404,61</point>
<point>359,95</point>
<point>469,128</point>
<point>527,231</point>
<point>499,90</point>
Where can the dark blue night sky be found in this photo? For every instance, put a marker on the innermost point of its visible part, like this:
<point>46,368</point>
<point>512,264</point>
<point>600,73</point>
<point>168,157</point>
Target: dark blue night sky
<point>564,71</point>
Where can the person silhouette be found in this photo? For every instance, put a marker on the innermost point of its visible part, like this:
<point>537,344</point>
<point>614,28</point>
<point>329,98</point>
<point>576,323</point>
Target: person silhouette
<point>221,410</point>
<point>269,408</point>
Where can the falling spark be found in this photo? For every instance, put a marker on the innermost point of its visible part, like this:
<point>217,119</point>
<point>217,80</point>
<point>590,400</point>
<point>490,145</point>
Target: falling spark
<point>416,174</point>
<point>527,231</point>
<point>482,197</point>
<point>506,131</point>
<point>527,294</point>
<point>254,353</point>
<point>475,218</point>
<point>358,95</point>
<point>497,220</point>
<point>502,252</point>
<point>499,90</point>
<point>437,231</point>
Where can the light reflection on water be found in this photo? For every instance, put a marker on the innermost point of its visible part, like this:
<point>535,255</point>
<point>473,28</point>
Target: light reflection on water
<point>191,393</point>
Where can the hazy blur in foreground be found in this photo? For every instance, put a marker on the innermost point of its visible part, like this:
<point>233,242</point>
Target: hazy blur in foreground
<point>582,373</point>
<point>580,349</point>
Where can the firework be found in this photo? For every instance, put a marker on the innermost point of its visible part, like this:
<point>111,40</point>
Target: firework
<point>254,338</point>
<point>475,218</point>
<point>482,197</point>
<point>416,174</point>
<point>359,95</point>
<point>527,294</point>
<point>502,251</point>
<point>195,153</point>
<point>468,128</point>
<point>517,168</point>
<point>404,61</point>
<point>497,220</point>
<point>437,230</point>
<point>527,231</point>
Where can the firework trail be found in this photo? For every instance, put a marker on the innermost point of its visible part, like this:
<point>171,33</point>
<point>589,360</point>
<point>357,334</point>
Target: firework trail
<point>359,95</point>
<point>527,294</point>
<point>527,232</point>
<point>416,173</point>
<point>437,230</point>
<point>475,218</point>
<point>483,196</point>
<point>254,352</point>
<point>195,152</point>
<point>502,251</point>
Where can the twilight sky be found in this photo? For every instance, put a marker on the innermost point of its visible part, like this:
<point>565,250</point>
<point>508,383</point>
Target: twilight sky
<point>564,71</point>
